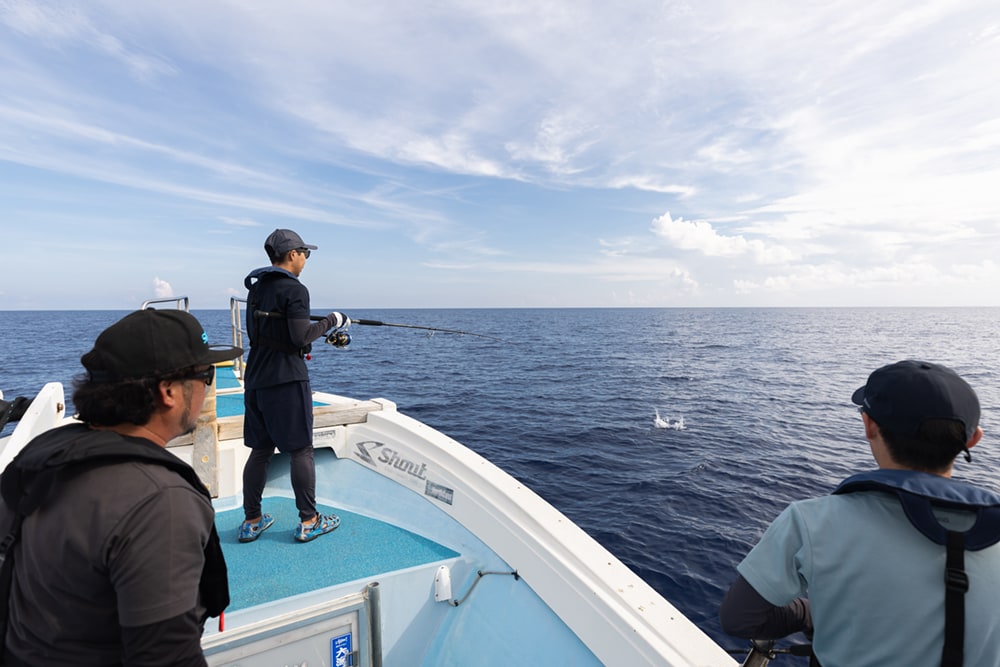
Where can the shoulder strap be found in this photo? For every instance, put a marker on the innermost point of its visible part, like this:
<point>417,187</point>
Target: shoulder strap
<point>6,574</point>
<point>956,584</point>
<point>918,494</point>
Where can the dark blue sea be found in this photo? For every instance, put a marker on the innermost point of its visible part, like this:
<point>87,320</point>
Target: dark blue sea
<point>567,405</point>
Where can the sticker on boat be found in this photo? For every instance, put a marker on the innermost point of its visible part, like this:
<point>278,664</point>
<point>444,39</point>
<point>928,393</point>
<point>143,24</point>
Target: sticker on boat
<point>340,648</point>
<point>440,492</point>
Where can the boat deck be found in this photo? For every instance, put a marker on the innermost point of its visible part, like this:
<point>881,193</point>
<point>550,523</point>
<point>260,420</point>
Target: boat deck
<point>424,521</point>
<point>275,566</point>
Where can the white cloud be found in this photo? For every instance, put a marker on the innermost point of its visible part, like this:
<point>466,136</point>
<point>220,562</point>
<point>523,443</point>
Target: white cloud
<point>162,289</point>
<point>809,147</point>
<point>700,236</point>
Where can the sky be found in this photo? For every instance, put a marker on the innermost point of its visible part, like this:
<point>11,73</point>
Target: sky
<point>503,153</point>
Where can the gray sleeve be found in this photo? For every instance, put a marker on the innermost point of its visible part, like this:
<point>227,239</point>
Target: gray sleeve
<point>175,642</point>
<point>303,332</point>
<point>156,556</point>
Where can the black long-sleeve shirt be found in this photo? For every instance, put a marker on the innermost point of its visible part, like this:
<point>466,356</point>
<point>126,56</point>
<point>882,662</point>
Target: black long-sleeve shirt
<point>745,613</point>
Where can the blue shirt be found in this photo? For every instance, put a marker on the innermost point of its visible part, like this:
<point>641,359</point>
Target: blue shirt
<point>874,582</point>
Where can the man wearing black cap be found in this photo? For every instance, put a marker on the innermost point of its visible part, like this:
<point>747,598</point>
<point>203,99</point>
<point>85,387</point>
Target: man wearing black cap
<point>112,538</point>
<point>900,564</point>
<point>278,396</point>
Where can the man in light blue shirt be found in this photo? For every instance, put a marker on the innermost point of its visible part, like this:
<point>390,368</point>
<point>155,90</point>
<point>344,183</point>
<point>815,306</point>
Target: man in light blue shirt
<point>872,556</point>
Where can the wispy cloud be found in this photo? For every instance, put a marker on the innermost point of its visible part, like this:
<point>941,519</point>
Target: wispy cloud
<point>67,25</point>
<point>240,222</point>
<point>800,148</point>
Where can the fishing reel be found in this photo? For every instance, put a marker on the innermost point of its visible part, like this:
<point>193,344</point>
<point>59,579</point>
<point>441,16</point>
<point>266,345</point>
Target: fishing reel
<point>338,338</point>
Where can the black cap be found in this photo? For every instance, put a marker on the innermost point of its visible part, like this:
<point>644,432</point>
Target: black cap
<point>152,343</point>
<point>281,241</point>
<point>902,395</point>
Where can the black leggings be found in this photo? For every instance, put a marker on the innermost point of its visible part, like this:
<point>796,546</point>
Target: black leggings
<point>303,477</point>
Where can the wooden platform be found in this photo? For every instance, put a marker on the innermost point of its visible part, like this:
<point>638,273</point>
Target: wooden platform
<point>223,410</point>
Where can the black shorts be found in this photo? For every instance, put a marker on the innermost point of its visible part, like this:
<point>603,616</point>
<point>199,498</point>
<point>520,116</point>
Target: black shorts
<point>279,416</point>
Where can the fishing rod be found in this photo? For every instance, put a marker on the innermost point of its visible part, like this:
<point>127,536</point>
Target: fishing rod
<point>340,338</point>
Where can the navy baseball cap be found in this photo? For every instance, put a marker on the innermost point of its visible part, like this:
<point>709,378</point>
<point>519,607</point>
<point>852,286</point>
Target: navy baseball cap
<point>282,240</point>
<point>902,395</point>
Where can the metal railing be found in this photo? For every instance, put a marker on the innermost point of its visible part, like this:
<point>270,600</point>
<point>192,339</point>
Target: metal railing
<point>236,324</point>
<point>179,300</point>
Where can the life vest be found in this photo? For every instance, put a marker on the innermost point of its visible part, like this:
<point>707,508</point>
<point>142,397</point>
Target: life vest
<point>918,493</point>
<point>256,326</point>
<point>34,475</point>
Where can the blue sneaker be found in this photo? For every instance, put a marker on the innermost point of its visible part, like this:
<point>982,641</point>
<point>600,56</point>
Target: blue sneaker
<point>251,531</point>
<point>325,523</point>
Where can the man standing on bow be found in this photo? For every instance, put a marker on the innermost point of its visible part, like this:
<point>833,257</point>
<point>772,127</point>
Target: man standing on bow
<point>278,396</point>
<point>116,560</point>
<point>901,564</point>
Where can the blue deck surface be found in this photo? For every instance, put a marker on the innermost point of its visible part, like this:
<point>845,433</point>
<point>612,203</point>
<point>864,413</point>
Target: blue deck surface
<point>227,405</point>
<point>231,405</point>
<point>225,377</point>
<point>504,615</point>
<point>276,566</point>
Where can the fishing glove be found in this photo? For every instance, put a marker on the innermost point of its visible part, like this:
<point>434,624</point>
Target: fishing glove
<point>338,319</point>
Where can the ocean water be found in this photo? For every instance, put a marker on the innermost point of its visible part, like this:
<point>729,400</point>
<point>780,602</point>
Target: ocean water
<point>567,405</point>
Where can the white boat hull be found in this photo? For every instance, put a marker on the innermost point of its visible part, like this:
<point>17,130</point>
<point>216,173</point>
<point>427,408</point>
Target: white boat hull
<point>532,587</point>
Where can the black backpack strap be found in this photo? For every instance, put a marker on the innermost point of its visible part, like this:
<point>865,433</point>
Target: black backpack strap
<point>956,583</point>
<point>21,501</point>
<point>956,580</point>
<point>7,574</point>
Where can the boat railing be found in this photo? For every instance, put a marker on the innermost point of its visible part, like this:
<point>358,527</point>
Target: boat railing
<point>236,324</point>
<point>183,303</point>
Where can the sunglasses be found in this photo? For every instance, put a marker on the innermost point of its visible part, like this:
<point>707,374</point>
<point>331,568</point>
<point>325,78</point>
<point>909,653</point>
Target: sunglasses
<point>206,376</point>
<point>305,251</point>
